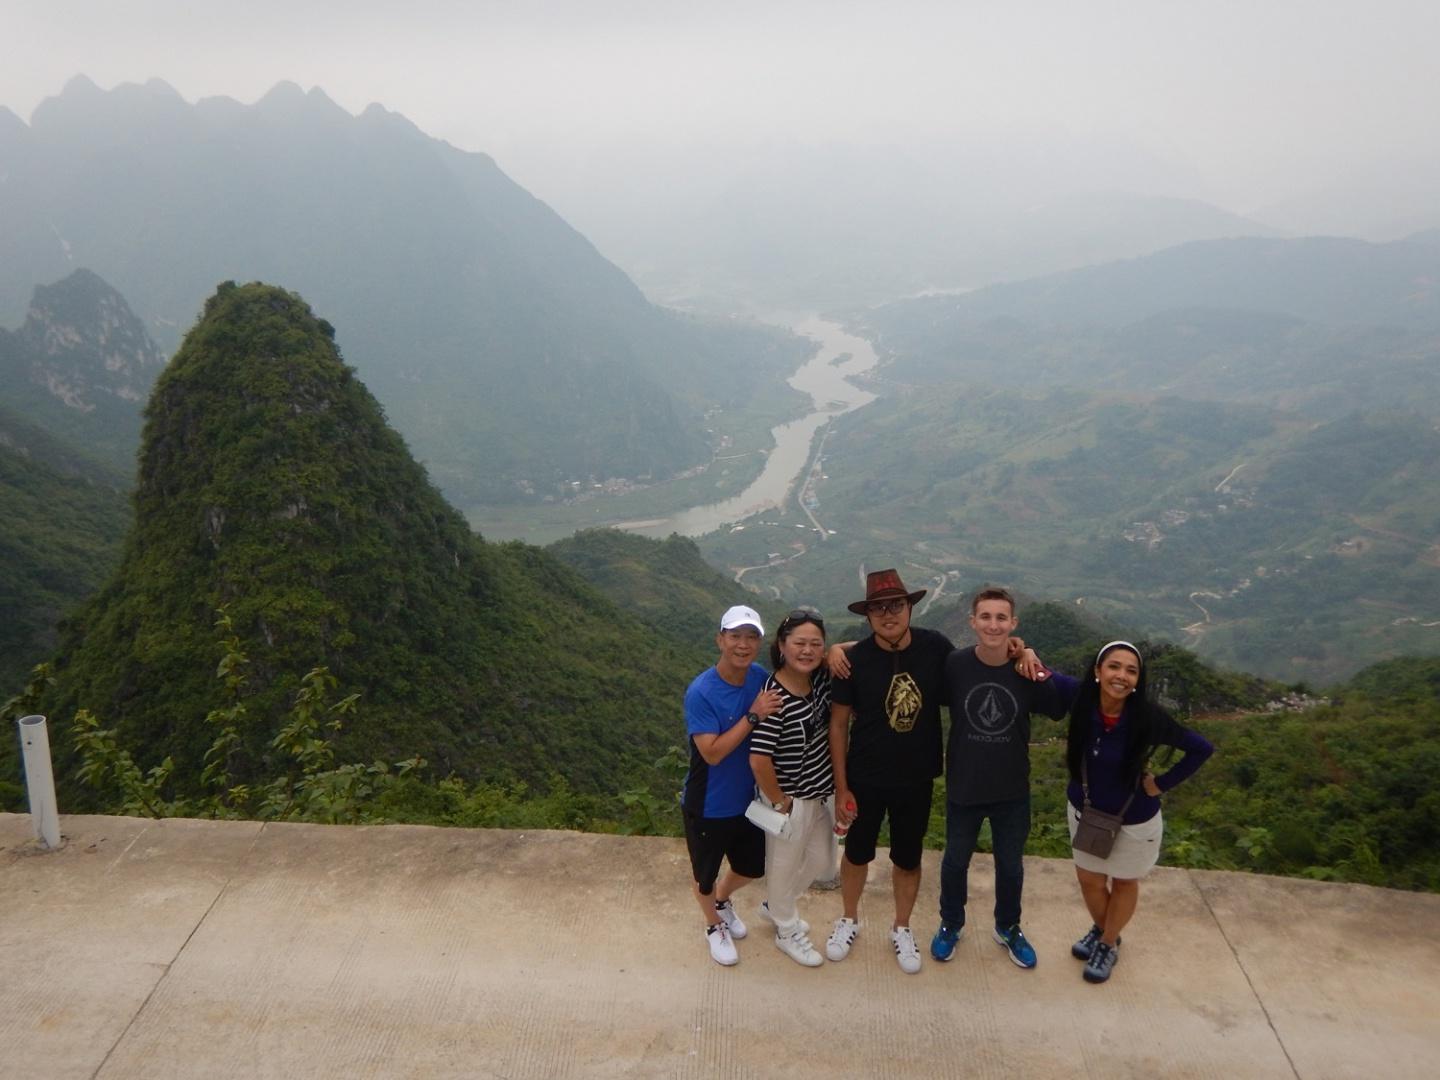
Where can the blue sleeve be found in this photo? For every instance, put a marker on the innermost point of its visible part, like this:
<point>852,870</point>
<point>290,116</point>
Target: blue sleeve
<point>1197,750</point>
<point>1047,699</point>
<point>700,715</point>
<point>1067,686</point>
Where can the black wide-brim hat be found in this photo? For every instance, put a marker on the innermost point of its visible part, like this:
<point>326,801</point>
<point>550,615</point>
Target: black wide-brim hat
<point>884,585</point>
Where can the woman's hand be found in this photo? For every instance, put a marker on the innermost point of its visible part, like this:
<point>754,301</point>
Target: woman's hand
<point>838,661</point>
<point>845,809</point>
<point>1150,787</point>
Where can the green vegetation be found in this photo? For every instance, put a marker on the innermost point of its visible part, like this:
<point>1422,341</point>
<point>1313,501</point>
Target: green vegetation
<point>302,781</point>
<point>664,583</point>
<point>1298,549</point>
<point>60,538</point>
<point>270,486</point>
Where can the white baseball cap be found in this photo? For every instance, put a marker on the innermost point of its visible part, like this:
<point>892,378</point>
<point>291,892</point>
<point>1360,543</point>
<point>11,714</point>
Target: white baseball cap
<point>739,616</point>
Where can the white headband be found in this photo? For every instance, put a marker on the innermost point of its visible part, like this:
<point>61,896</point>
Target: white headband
<point>1125,644</point>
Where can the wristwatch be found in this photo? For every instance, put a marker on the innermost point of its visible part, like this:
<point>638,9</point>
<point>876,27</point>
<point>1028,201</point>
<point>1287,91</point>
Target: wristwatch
<point>751,719</point>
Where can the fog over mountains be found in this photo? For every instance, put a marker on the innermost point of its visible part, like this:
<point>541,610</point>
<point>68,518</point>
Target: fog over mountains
<point>485,323</point>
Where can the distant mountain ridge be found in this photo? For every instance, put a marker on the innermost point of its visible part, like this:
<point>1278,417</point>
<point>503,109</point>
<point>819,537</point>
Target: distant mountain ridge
<point>1328,280</point>
<point>511,353</point>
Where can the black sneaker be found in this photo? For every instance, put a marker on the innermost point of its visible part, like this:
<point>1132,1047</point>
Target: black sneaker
<point>1102,962</point>
<point>1082,949</point>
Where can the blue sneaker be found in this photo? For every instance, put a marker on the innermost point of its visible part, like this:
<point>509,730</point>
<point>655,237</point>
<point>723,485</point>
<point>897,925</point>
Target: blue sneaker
<point>1015,944</point>
<point>942,945</point>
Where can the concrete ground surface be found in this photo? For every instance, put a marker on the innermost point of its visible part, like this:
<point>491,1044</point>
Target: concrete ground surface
<point>158,949</point>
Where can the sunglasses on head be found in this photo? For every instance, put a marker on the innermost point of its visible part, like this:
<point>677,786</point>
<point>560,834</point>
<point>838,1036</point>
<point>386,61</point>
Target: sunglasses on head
<point>803,615</point>
<point>887,607</point>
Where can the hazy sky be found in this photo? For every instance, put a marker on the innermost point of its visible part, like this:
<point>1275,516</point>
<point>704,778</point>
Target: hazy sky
<point>1250,100</point>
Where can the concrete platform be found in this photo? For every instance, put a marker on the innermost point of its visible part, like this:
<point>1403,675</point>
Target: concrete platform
<point>193,949</point>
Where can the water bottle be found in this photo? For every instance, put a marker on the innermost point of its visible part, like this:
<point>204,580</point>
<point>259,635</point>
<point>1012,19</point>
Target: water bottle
<point>840,828</point>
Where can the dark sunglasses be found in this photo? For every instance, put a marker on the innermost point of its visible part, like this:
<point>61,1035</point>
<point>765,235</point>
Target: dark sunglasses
<point>803,615</point>
<point>887,607</point>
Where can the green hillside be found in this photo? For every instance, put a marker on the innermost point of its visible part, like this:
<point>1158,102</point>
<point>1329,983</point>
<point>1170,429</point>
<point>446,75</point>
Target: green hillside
<point>60,533</point>
<point>1268,543</point>
<point>270,485</point>
<point>666,584</point>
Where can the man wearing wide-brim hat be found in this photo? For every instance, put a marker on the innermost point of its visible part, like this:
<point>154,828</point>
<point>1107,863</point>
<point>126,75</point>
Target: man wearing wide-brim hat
<point>886,748</point>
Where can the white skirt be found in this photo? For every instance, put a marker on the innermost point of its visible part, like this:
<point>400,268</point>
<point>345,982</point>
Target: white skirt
<point>1136,850</point>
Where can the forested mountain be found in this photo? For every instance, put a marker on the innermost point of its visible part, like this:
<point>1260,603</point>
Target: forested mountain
<point>515,358</point>
<point>665,583</point>
<point>81,367</point>
<point>75,376</point>
<point>62,517</point>
<point>269,485</point>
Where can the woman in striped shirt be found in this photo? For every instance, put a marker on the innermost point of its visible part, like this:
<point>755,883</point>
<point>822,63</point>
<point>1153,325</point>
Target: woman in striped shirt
<point>790,756</point>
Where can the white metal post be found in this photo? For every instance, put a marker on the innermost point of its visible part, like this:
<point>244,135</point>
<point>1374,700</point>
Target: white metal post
<point>40,781</point>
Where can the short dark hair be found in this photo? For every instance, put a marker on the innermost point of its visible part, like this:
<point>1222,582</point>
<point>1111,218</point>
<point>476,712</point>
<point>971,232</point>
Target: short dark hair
<point>992,592</point>
<point>797,618</point>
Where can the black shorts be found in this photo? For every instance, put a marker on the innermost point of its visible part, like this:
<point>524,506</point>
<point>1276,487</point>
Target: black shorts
<point>909,810</point>
<point>713,839</point>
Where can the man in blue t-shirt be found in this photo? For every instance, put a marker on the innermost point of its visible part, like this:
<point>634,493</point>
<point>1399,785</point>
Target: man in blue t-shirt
<point>722,707</point>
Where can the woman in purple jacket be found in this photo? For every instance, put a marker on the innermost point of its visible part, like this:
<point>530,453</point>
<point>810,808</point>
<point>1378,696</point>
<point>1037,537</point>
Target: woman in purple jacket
<point>1114,730</point>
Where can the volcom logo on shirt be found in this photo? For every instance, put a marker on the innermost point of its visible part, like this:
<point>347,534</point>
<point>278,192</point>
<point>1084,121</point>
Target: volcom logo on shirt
<point>990,710</point>
<point>902,703</point>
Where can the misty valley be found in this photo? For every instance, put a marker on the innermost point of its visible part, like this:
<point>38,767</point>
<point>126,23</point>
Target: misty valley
<point>452,503</point>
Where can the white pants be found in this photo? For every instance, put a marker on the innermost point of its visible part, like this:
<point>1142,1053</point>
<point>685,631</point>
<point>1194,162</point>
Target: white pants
<point>792,863</point>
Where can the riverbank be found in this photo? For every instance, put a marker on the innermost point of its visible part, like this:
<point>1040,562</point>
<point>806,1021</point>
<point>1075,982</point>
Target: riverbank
<point>767,457</point>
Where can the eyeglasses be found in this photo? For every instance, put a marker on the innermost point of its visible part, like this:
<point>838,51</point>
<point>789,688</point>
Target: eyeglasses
<point>887,607</point>
<point>803,615</point>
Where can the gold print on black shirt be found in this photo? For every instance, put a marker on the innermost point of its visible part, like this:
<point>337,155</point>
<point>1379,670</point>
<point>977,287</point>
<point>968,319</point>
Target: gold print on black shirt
<point>902,703</point>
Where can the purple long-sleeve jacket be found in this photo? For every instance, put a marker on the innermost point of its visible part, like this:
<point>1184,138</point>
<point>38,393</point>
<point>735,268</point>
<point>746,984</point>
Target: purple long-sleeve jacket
<point>1104,757</point>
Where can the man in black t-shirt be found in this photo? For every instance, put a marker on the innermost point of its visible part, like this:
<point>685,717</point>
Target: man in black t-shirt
<point>988,772</point>
<point>886,761</point>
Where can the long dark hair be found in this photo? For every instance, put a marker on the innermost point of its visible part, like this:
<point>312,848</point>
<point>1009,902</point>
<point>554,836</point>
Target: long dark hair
<point>1145,722</point>
<point>796,619</point>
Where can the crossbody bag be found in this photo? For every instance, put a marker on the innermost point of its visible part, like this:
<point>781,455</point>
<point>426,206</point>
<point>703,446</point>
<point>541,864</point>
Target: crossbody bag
<point>1096,830</point>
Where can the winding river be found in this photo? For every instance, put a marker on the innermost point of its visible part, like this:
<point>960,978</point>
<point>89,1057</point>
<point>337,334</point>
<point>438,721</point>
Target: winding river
<point>831,395</point>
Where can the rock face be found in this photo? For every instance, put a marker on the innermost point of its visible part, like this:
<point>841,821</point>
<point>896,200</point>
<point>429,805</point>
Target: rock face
<point>269,484</point>
<point>87,344</point>
<point>81,367</point>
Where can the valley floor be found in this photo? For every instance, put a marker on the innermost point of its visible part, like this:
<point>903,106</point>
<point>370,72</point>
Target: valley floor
<point>194,948</point>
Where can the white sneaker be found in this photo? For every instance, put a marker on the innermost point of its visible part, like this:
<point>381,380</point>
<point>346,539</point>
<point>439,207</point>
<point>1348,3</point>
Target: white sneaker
<point>796,945</point>
<point>841,938</point>
<point>905,951</point>
<point>722,949</point>
<point>765,914</point>
<point>829,884</point>
<point>731,918</point>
